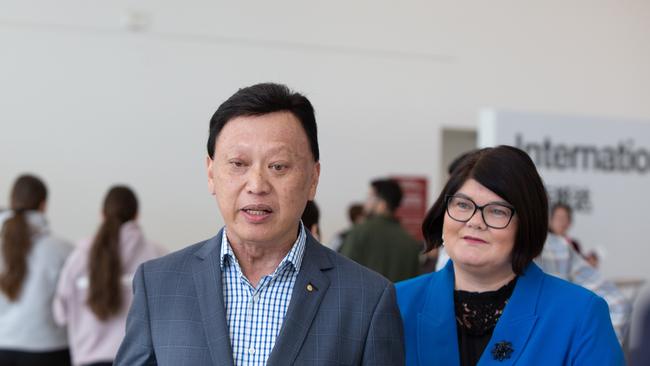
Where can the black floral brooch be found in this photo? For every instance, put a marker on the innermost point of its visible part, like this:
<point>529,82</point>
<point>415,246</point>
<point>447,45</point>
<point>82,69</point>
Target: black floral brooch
<point>502,350</point>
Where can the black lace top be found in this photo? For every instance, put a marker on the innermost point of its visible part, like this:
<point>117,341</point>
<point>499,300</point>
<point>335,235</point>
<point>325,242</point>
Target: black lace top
<point>477,313</point>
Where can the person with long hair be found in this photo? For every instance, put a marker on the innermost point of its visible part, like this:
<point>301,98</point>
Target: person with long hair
<point>30,263</point>
<point>94,291</point>
<point>491,304</point>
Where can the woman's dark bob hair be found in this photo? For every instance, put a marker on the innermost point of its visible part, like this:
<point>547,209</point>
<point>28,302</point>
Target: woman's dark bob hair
<point>511,174</point>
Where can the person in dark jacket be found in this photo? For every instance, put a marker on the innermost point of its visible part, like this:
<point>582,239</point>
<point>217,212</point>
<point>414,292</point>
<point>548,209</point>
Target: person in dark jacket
<point>381,243</point>
<point>356,216</point>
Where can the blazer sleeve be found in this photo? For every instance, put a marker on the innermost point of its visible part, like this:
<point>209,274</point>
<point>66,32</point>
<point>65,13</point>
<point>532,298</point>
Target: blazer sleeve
<point>596,342</point>
<point>385,342</point>
<point>137,347</point>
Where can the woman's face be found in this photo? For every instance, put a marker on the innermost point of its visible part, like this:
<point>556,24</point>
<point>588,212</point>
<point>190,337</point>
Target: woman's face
<point>473,245</point>
<point>560,221</point>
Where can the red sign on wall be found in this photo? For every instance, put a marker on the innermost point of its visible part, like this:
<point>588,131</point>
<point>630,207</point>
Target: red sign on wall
<point>414,203</point>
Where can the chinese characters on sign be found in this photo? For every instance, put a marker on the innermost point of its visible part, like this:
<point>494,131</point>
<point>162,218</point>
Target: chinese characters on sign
<point>578,198</point>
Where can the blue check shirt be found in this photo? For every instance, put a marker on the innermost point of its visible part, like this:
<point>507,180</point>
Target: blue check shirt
<point>255,315</point>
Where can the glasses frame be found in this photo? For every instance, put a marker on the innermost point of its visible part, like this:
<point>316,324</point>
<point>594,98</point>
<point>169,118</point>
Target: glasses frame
<point>479,208</point>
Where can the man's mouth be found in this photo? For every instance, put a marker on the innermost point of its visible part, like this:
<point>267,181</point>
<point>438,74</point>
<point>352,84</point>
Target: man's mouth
<point>257,210</point>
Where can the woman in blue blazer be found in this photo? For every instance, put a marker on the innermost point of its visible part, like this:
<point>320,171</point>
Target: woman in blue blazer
<point>491,305</point>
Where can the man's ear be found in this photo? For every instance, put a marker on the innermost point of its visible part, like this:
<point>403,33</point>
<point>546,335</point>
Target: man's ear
<point>209,165</point>
<point>314,181</point>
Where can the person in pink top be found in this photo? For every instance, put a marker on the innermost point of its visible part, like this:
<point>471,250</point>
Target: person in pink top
<point>94,290</point>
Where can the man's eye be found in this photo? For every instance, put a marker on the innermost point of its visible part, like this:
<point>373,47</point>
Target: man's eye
<point>278,167</point>
<point>237,164</point>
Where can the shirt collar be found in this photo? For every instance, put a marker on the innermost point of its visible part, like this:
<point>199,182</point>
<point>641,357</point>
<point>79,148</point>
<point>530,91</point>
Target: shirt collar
<point>293,258</point>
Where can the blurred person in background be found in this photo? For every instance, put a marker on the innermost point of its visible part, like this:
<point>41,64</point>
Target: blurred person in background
<point>560,259</point>
<point>380,242</point>
<point>491,304</point>
<point>310,218</point>
<point>356,216</point>
<point>30,263</point>
<point>94,289</point>
<point>560,223</point>
<point>640,353</point>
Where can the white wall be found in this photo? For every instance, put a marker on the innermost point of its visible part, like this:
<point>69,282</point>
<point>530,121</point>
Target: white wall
<point>85,102</point>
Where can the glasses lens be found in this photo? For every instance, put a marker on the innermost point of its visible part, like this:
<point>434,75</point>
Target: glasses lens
<point>497,216</point>
<point>460,208</point>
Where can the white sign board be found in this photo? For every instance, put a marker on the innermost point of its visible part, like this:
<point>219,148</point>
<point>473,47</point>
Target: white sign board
<point>600,167</point>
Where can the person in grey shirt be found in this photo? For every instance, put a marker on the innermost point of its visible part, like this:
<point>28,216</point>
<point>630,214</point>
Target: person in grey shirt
<point>30,262</point>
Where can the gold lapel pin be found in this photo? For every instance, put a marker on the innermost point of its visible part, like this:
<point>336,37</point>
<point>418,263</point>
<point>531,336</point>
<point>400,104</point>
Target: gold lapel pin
<point>310,287</point>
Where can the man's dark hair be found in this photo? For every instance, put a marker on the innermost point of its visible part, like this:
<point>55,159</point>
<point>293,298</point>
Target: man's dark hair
<point>562,206</point>
<point>263,99</point>
<point>310,215</point>
<point>511,174</point>
<point>389,191</point>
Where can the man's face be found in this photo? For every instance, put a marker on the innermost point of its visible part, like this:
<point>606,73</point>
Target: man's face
<point>262,175</point>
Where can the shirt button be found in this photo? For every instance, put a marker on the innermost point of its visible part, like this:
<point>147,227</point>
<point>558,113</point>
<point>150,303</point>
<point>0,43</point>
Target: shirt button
<point>251,351</point>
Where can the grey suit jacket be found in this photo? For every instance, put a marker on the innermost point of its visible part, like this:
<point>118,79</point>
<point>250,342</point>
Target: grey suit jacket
<point>178,315</point>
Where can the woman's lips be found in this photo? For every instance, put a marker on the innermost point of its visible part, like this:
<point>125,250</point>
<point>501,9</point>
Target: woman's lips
<point>474,240</point>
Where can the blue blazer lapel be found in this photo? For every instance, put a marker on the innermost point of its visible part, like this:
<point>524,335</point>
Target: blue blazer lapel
<point>207,280</point>
<point>437,340</point>
<point>304,304</point>
<point>518,319</point>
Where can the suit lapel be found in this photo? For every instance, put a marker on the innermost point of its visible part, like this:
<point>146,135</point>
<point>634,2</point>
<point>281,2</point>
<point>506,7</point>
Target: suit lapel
<point>437,339</point>
<point>207,280</point>
<point>518,319</point>
<point>304,304</point>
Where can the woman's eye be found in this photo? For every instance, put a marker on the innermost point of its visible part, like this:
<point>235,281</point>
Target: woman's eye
<point>463,205</point>
<point>498,212</point>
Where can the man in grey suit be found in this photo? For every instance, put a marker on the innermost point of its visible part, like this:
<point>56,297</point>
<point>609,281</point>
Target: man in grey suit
<point>262,291</point>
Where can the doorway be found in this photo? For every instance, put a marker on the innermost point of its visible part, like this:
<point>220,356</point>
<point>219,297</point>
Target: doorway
<point>454,143</point>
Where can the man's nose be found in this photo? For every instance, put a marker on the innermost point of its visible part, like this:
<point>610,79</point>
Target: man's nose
<point>257,182</point>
